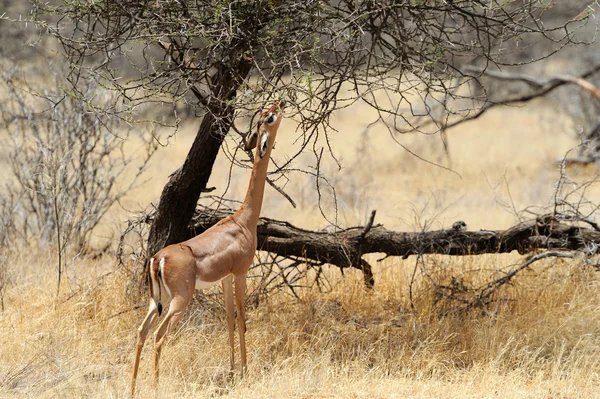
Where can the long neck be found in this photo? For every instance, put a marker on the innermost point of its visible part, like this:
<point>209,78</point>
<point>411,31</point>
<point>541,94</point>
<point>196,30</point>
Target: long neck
<point>249,212</point>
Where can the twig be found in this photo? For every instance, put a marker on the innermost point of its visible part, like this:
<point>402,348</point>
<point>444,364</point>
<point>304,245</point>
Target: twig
<point>137,307</point>
<point>545,86</point>
<point>280,190</point>
<point>369,224</point>
<point>492,286</point>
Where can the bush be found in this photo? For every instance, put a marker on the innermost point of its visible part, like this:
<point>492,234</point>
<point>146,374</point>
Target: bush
<point>67,162</point>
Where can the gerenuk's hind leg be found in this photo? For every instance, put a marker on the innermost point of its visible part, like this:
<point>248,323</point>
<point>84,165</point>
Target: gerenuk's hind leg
<point>174,315</point>
<point>146,325</point>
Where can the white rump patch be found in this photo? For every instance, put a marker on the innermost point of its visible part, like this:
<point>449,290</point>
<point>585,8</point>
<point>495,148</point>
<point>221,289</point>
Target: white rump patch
<point>204,285</point>
<point>161,264</point>
<point>155,285</point>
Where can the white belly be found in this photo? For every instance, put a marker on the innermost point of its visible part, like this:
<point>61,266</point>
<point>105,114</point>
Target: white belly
<point>204,285</point>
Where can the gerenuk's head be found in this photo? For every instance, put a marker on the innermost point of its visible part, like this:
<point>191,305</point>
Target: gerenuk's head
<point>266,129</point>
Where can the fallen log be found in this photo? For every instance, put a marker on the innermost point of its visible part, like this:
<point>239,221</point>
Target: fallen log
<point>344,248</point>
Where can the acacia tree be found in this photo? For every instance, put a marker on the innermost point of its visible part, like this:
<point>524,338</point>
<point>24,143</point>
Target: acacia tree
<point>228,57</point>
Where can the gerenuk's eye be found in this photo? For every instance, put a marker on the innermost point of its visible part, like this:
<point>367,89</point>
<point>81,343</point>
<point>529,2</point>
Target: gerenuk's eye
<point>271,119</point>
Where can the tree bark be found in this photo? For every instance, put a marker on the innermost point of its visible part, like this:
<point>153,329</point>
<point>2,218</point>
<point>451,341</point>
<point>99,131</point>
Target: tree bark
<point>345,248</point>
<point>180,195</point>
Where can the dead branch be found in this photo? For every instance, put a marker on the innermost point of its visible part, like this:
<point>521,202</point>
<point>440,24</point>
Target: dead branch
<point>588,152</point>
<point>345,248</point>
<point>545,84</point>
<point>490,288</point>
<point>542,86</point>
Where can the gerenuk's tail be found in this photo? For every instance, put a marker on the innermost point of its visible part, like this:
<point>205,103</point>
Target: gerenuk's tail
<point>154,283</point>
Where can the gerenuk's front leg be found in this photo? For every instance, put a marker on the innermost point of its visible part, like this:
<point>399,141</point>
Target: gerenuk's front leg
<point>240,293</point>
<point>228,298</point>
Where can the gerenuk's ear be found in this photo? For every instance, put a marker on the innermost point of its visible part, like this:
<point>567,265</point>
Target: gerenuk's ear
<point>264,143</point>
<point>250,141</point>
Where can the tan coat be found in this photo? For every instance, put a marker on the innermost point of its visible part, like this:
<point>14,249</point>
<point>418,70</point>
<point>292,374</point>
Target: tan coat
<point>223,253</point>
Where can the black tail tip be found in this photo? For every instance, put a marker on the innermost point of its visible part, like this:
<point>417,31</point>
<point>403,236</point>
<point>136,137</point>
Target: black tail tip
<point>159,308</point>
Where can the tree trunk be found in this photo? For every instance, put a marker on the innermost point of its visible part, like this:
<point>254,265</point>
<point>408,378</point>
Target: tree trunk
<point>180,195</point>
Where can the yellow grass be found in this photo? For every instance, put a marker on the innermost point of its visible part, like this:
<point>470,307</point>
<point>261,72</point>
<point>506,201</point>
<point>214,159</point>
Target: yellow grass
<point>542,340</point>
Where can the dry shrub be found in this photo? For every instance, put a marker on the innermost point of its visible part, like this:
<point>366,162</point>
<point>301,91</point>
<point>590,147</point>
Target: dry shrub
<point>68,164</point>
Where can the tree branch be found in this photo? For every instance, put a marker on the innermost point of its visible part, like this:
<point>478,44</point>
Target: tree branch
<point>486,291</point>
<point>345,248</point>
<point>544,86</point>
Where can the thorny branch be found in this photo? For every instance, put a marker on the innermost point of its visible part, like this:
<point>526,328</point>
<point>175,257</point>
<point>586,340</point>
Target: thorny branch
<point>542,87</point>
<point>323,56</point>
<point>590,149</point>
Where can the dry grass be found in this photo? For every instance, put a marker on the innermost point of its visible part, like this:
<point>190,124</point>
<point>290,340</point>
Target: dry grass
<point>541,341</point>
